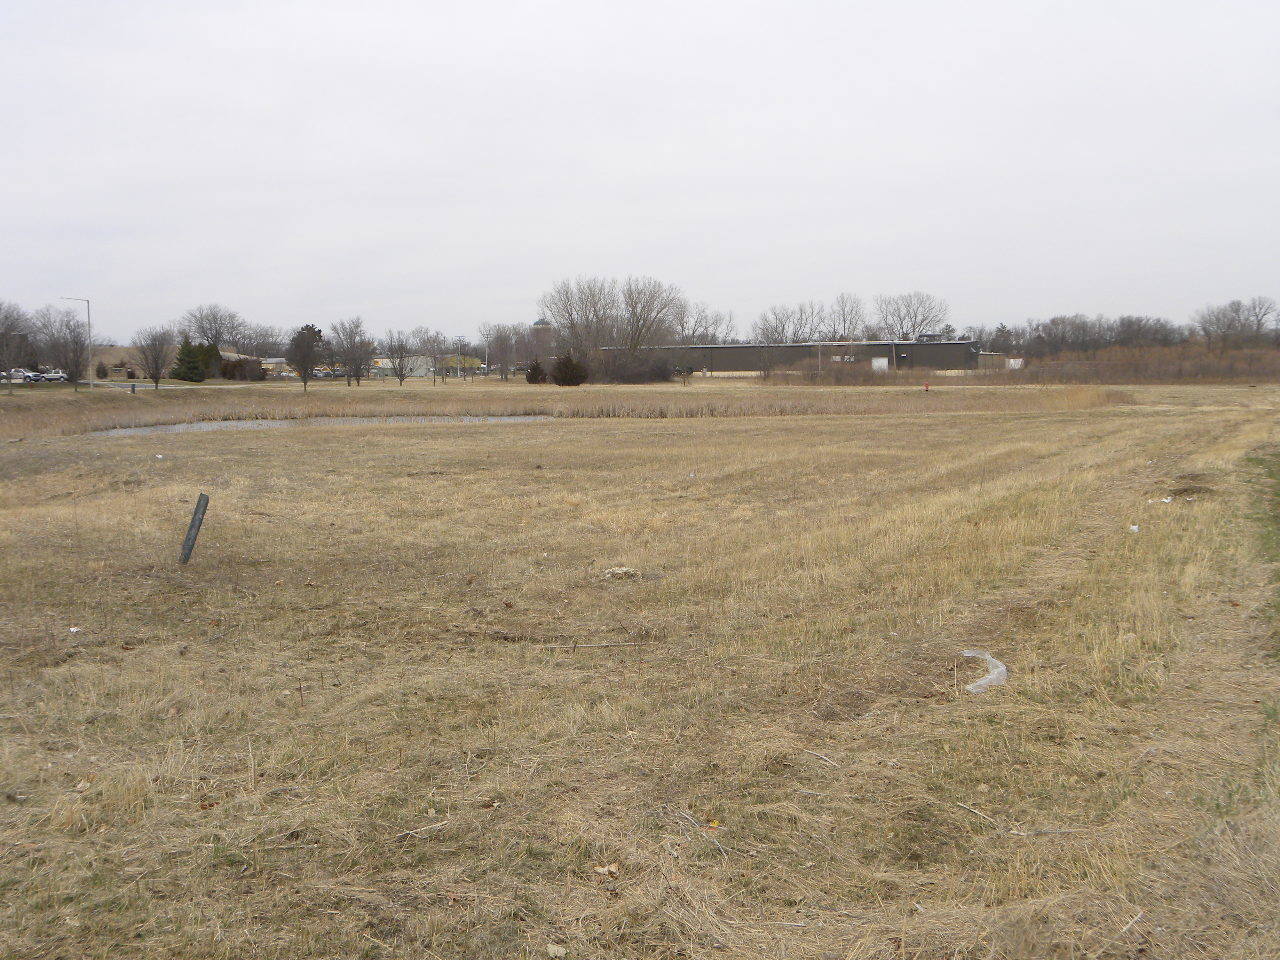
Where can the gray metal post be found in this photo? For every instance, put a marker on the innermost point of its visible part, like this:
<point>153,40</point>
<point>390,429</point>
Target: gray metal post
<point>193,529</point>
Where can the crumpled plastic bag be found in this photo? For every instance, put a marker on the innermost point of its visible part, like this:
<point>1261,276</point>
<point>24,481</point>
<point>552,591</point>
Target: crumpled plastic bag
<point>997,672</point>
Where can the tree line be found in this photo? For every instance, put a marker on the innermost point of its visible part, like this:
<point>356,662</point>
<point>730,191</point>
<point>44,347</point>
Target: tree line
<point>603,324</point>
<point>1233,325</point>
<point>606,323</point>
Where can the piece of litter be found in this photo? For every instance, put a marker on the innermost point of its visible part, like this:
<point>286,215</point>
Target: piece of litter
<point>555,950</point>
<point>1133,528</point>
<point>621,573</point>
<point>1188,499</point>
<point>159,456</point>
<point>73,630</point>
<point>1167,500</point>
<point>997,672</point>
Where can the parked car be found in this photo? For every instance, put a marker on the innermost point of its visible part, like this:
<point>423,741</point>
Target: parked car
<point>56,376</point>
<point>26,376</point>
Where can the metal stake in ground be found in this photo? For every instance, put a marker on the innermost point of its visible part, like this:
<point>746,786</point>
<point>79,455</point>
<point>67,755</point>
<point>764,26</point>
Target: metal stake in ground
<point>193,529</point>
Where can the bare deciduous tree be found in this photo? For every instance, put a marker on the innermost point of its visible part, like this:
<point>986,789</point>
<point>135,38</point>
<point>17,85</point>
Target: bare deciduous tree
<point>846,318</point>
<point>259,340</point>
<point>398,348</point>
<point>305,350</point>
<point>154,349</point>
<point>782,323</point>
<point>1259,314</point>
<point>433,344</point>
<point>700,324</point>
<point>650,313</point>
<point>1222,326</point>
<point>64,341</point>
<point>500,339</point>
<point>15,338</point>
<point>213,324</point>
<point>908,315</point>
<point>584,313</point>
<point>353,349</point>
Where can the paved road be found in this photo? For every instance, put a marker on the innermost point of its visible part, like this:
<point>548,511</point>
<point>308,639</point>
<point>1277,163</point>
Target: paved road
<point>148,385</point>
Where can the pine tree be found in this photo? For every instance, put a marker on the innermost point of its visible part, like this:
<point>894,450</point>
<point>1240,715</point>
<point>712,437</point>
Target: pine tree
<point>189,364</point>
<point>535,373</point>
<point>211,359</point>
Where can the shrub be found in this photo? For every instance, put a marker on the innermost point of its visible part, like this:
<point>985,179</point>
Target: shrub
<point>535,373</point>
<point>618,367</point>
<point>241,370</point>
<point>101,371</point>
<point>568,372</point>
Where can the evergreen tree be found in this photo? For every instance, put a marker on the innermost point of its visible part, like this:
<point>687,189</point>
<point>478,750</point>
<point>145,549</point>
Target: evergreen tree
<point>1001,340</point>
<point>189,364</point>
<point>568,372</point>
<point>306,349</point>
<point>210,358</point>
<point>535,373</point>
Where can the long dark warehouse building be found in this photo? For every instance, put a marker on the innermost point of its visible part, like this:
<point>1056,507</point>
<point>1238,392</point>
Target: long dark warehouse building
<point>899,354</point>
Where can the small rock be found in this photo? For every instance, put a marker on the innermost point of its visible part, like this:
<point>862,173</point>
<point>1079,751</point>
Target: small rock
<point>621,573</point>
<point>555,950</point>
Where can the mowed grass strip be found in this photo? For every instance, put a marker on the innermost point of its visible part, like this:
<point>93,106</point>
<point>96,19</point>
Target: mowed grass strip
<point>367,721</point>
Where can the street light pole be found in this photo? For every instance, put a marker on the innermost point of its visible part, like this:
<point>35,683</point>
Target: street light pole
<point>88,313</point>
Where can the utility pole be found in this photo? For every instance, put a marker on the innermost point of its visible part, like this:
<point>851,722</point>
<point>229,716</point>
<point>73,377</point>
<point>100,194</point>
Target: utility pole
<point>88,313</point>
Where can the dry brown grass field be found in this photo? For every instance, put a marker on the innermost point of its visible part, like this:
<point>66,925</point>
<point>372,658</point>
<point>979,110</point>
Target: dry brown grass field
<point>394,708</point>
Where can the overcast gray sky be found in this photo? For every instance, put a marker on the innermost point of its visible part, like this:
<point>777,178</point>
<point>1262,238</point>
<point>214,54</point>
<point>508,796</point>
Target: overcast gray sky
<point>444,163</point>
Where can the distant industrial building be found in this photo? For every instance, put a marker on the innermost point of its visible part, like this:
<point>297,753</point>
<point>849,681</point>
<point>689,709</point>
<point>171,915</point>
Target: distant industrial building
<point>926,353</point>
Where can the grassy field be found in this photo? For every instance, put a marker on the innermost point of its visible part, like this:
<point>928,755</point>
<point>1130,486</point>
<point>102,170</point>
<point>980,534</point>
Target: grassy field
<point>396,708</point>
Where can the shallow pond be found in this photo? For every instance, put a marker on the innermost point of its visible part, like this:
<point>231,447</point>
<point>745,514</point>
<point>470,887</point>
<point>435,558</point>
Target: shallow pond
<point>201,426</point>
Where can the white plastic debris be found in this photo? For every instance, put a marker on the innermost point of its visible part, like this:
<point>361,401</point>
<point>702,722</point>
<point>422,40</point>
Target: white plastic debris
<point>73,630</point>
<point>997,672</point>
<point>159,456</point>
<point>1167,500</point>
<point>1133,528</point>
